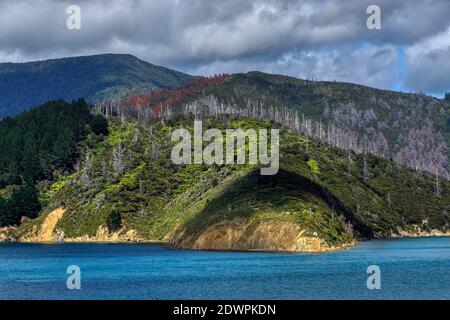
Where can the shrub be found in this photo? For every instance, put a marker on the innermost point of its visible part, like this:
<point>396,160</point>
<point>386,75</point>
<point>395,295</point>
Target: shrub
<point>314,166</point>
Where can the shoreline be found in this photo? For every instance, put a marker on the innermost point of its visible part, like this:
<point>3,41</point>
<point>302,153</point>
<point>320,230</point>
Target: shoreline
<point>172,246</point>
<point>233,236</point>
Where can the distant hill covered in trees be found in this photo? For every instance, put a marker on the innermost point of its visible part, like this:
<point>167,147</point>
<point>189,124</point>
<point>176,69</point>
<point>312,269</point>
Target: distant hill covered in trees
<point>95,78</point>
<point>412,129</point>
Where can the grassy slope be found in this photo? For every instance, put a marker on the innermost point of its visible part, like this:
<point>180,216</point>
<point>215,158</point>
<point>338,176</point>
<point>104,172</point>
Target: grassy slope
<point>158,198</point>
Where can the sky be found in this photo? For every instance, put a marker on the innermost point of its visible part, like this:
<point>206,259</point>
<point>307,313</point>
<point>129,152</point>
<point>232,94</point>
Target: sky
<point>319,39</point>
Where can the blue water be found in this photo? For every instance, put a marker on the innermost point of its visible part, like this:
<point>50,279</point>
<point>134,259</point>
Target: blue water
<point>410,269</point>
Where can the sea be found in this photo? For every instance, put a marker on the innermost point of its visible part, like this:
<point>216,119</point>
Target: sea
<point>412,268</point>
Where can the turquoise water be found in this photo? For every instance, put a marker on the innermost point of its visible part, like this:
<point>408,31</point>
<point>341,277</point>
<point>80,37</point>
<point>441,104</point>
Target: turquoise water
<point>410,269</point>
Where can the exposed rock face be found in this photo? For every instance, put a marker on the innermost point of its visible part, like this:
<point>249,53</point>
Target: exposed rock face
<point>241,235</point>
<point>49,233</point>
<point>237,234</point>
<point>46,232</point>
<point>421,233</point>
<point>103,235</point>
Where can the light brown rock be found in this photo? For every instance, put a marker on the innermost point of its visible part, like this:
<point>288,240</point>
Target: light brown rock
<point>241,235</point>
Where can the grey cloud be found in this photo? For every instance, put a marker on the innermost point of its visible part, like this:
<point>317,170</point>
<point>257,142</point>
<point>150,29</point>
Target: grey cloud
<point>201,35</point>
<point>429,64</point>
<point>431,73</point>
<point>368,65</point>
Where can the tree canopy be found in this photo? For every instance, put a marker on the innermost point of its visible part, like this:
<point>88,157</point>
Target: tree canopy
<point>34,145</point>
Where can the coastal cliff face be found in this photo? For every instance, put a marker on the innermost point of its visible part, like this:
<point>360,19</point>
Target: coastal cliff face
<point>417,233</point>
<point>4,234</point>
<point>235,235</point>
<point>265,236</point>
<point>238,234</point>
<point>47,228</point>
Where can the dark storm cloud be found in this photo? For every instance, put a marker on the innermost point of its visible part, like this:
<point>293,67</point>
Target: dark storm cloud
<point>325,39</point>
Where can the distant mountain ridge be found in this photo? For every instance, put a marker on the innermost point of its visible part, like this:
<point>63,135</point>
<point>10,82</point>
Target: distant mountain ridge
<point>412,129</point>
<point>96,78</point>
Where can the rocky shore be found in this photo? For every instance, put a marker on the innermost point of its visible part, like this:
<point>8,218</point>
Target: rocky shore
<point>234,235</point>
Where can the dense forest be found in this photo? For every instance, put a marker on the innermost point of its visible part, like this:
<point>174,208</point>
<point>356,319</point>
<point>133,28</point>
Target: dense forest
<point>35,146</point>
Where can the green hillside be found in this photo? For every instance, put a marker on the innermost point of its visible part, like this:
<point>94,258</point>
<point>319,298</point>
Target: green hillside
<point>116,181</point>
<point>324,192</point>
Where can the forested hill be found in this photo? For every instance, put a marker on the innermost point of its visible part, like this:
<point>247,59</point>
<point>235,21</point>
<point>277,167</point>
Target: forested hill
<point>80,178</point>
<point>95,78</point>
<point>127,188</point>
<point>38,146</point>
<point>98,179</point>
<point>413,129</point>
